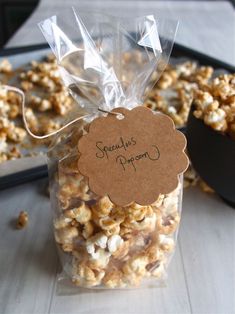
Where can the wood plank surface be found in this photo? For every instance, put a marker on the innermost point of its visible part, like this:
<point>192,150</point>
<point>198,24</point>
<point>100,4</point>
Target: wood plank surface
<point>201,275</point>
<point>207,242</point>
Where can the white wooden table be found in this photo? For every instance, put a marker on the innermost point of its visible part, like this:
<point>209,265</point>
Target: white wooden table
<point>202,272</point>
<point>201,275</point>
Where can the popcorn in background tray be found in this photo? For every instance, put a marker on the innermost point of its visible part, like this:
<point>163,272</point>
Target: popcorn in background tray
<point>215,104</point>
<point>46,93</point>
<point>10,132</point>
<point>44,77</point>
<point>183,77</point>
<point>173,93</point>
<point>5,66</point>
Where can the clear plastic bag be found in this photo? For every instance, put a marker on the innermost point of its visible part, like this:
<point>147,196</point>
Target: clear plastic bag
<point>102,245</point>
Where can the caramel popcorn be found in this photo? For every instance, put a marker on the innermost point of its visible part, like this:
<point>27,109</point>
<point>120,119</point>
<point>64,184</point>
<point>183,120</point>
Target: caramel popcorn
<point>85,276</point>
<point>16,134</point>
<point>215,104</point>
<point>173,93</point>
<point>10,132</point>
<point>82,214</point>
<point>66,235</point>
<point>113,246</point>
<point>114,279</point>
<point>88,230</point>
<point>22,220</point>
<point>166,243</point>
<point>44,92</point>
<point>5,66</point>
<point>114,243</point>
<point>45,75</point>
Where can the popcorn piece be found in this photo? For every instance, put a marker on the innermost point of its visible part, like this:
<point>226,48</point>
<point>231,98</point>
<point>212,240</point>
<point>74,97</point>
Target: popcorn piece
<point>166,243</point>
<point>4,108</point>
<point>99,259</point>
<point>72,186</point>
<point>82,213</point>
<point>99,240</point>
<point>168,224</point>
<point>112,231</point>
<point>167,79</point>
<point>137,213</point>
<point>26,85</point>
<point>146,223</point>
<point>48,126</point>
<point>186,69</point>
<point>31,120</point>
<point>170,204</point>
<point>62,222</point>
<point>66,235</point>
<point>114,243</point>
<point>153,253</point>
<point>67,247</point>
<point>95,246</point>
<point>14,111</point>
<point>60,101</point>
<point>121,252</point>
<point>203,99</point>
<point>107,223</point>
<point>125,231</point>
<point>113,279</point>
<point>22,220</point>
<point>216,119</point>
<point>88,230</point>
<point>103,207</point>
<point>84,276</point>
<point>198,114</point>
<point>16,134</point>
<point>45,105</point>
<point>137,265</point>
<point>132,279</point>
<point>5,66</point>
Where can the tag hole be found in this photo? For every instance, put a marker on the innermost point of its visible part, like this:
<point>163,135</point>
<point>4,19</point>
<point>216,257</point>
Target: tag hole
<point>120,116</point>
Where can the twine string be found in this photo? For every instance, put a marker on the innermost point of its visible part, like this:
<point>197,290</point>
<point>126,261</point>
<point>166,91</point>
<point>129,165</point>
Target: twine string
<point>40,137</point>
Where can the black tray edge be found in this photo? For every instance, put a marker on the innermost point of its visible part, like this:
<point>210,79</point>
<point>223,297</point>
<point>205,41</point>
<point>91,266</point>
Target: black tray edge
<point>23,177</point>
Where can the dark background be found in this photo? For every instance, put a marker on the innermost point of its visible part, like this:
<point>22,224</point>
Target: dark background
<point>13,13</point>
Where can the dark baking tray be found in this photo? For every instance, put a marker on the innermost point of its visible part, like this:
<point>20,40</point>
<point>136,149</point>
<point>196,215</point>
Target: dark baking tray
<point>41,171</point>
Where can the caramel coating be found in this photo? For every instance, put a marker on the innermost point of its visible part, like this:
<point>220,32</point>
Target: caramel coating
<point>22,220</point>
<point>215,104</point>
